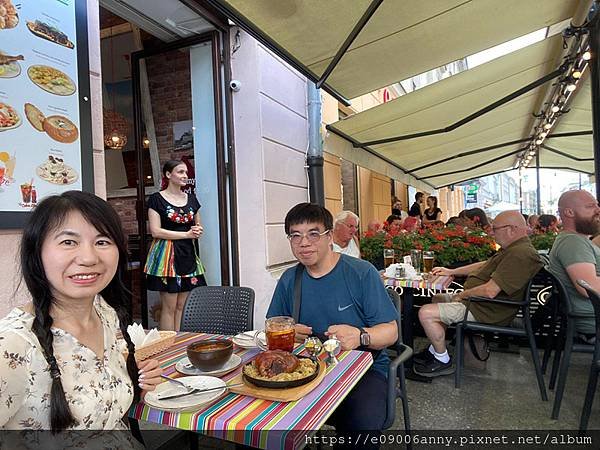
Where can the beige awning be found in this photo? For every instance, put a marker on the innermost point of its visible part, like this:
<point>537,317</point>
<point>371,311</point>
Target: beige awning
<point>456,156</point>
<point>403,37</point>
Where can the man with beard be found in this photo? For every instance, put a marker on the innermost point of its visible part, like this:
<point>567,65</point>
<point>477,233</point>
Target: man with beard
<point>574,257</point>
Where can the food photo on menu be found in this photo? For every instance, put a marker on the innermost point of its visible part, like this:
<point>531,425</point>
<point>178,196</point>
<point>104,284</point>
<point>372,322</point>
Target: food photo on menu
<point>58,127</point>
<point>9,65</point>
<point>51,80</point>
<point>55,171</point>
<point>50,33</point>
<point>9,18</point>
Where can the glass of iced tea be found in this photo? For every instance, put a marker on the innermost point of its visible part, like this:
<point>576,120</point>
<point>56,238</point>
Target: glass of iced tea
<point>428,258</point>
<point>388,257</point>
<point>280,333</point>
<point>26,192</point>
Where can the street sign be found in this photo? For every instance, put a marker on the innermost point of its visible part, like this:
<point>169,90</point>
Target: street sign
<point>472,197</point>
<point>472,188</point>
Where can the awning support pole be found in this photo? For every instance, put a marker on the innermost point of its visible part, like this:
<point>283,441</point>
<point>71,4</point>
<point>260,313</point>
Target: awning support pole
<point>314,157</point>
<point>595,79</point>
<point>349,40</point>
<point>538,200</point>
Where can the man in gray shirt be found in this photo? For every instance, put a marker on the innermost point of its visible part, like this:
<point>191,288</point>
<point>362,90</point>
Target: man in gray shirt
<point>574,257</point>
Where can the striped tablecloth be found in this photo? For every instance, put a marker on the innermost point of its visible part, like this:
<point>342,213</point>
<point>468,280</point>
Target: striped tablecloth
<point>254,422</point>
<point>437,283</point>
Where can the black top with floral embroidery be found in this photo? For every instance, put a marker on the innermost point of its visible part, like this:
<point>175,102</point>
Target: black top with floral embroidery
<point>178,218</point>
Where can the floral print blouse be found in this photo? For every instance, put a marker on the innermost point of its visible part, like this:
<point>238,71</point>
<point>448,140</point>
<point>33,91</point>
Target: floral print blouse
<point>99,391</point>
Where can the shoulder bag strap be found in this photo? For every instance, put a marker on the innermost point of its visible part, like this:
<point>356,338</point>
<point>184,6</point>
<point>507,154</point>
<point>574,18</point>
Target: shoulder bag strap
<point>297,292</point>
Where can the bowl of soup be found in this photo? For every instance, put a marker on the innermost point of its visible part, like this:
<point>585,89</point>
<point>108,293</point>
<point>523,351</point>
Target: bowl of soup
<point>211,354</point>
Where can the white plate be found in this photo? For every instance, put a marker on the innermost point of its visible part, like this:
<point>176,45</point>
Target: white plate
<point>189,402</point>
<point>183,366</point>
<point>246,339</point>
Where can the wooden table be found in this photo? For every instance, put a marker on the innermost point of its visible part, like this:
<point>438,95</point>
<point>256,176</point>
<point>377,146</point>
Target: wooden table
<point>406,287</point>
<point>255,422</point>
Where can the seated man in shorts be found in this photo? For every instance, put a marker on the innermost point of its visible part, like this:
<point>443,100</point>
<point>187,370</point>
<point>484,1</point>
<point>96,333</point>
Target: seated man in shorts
<point>504,275</point>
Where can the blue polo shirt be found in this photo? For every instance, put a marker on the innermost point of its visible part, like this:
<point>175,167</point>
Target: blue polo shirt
<point>351,294</point>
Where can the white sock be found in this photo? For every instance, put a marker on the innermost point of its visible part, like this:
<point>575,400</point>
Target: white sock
<point>443,357</point>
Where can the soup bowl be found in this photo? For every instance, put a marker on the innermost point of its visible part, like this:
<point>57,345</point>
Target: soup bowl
<point>211,354</point>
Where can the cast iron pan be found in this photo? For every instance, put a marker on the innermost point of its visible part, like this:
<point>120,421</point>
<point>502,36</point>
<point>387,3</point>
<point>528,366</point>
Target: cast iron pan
<point>281,384</point>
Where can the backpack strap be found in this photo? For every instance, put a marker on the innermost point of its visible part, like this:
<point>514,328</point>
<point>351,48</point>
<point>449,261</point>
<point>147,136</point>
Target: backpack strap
<point>473,347</point>
<point>297,292</point>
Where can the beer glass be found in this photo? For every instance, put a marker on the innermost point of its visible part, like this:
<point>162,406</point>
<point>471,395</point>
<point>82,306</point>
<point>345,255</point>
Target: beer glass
<point>415,259</point>
<point>388,257</point>
<point>280,333</point>
<point>428,258</point>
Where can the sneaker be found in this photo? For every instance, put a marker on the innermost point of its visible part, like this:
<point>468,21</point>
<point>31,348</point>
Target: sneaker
<point>423,356</point>
<point>434,368</point>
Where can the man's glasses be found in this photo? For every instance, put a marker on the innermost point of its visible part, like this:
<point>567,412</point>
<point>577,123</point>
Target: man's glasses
<point>494,229</point>
<point>311,236</point>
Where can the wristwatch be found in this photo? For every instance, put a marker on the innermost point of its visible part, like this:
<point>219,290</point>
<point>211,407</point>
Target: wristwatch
<point>365,338</point>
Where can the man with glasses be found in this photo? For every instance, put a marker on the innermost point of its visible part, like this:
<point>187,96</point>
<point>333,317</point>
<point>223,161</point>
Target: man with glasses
<point>345,228</point>
<point>574,257</point>
<point>343,297</point>
<point>505,275</point>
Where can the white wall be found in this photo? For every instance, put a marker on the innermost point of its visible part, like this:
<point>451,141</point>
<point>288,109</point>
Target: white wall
<point>271,139</point>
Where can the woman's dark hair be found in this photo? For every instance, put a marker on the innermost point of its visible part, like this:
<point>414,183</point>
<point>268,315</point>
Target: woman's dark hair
<point>546,220</point>
<point>308,213</point>
<point>168,167</point>
<point>478,216</point>
<point>434,198</point>
<point>392,217</point>
<point>46,217</point>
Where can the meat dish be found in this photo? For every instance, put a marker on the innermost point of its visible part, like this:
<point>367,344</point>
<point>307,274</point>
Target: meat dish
<point>275,362</point>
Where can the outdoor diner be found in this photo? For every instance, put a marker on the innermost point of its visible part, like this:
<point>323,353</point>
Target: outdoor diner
<point>299,224</point>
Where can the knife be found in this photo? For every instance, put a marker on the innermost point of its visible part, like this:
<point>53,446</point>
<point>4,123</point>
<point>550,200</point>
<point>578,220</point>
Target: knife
<point>197,391</point>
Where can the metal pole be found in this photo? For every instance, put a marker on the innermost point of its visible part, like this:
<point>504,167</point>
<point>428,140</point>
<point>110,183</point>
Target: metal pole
<point>521,194</point>
<point>314,157</point>
<point>538,189</point>
<point>595,79</point>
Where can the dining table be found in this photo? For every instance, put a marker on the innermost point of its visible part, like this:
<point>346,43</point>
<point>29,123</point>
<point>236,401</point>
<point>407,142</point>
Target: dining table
<point>256,422</point>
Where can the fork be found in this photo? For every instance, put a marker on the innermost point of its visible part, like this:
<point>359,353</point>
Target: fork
<point>180,383</point>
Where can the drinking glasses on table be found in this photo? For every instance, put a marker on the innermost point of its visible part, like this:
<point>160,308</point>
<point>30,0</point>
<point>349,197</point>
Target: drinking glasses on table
<point>415,259</point>
<point>388,257</point>
<point>428,258</point>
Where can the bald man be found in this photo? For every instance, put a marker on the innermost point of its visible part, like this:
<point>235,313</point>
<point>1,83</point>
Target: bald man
<point>505,275</point>
<point>574,257</point>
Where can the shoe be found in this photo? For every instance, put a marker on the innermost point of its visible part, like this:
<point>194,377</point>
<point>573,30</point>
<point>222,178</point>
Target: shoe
<point>434,368</point>
<point>423,356</point>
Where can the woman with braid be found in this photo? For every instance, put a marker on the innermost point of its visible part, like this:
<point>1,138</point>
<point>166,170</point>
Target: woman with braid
<point>61,365</point>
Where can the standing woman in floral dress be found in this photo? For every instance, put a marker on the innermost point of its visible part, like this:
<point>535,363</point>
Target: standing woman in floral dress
<point>173,267</point>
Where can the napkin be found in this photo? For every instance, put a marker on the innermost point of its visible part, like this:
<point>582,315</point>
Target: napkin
<point>139,336</point>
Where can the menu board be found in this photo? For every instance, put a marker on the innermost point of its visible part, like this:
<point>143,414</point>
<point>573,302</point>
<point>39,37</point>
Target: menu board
<point>41,142</point>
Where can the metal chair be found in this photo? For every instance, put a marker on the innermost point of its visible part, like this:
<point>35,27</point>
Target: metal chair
<point>396,371</point>
<point>219,310</point>
<point>595,367</point>
<point>526,331</point>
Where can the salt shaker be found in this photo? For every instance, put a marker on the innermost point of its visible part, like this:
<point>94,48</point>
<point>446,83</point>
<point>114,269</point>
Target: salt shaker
<point>399,272</point>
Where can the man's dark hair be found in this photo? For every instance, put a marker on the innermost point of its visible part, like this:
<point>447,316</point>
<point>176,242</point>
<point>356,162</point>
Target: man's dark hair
<point>418,196</point>
<point>392,217</point>
<point>308,213</point>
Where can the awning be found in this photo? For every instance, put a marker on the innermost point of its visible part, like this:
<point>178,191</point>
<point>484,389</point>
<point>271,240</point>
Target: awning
<point>401,39</point>
<point>488,144</point>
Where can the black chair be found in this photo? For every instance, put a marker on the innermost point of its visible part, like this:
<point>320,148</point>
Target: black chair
<point>595,367</point>
<point>565,346</point>
<point>219,310</point>
<point>525,331</point>
<point>396,371</point>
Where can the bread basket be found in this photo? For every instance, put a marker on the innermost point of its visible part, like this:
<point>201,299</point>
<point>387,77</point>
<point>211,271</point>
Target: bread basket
<point>166,340</point>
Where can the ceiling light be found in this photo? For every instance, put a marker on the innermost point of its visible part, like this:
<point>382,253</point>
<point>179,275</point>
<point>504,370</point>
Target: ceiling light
<point>547,126</point>
<point>576,74</point>
<point>586,56</point>
<point>555,109</point>
<point>532,153</point>
<point>571,87</point>
<point>543,134</point>
<point>539,141</point>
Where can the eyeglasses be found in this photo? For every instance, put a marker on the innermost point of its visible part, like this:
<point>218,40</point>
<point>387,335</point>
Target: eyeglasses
<point>311,236</point>
<point>494,229</point>
<point>350,226</point>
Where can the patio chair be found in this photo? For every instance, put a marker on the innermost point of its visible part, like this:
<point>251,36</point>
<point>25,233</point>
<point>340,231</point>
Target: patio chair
<point>219,310</point>
<point>565,346</point>
<point>396,371</point>
<point>595,367</point>
<point>525,331</point>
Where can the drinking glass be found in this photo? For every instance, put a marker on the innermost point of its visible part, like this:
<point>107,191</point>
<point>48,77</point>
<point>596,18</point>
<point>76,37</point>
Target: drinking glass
<point>388,257</point>
<point>428,258</point>
<point>280,333</point>
<point>415,259</point>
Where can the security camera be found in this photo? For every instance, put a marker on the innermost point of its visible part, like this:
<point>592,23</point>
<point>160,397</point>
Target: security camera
<point>235,85</point>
